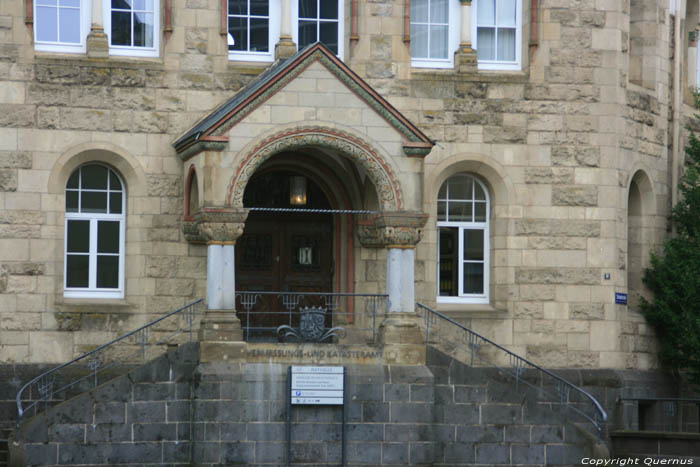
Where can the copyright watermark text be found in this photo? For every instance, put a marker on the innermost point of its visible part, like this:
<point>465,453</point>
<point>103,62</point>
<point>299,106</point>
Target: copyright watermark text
<point>623,461</point>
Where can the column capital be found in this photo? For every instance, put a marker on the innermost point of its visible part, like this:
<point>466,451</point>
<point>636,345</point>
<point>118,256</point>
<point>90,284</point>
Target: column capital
<point>215,225</point>
<point>400,229</point>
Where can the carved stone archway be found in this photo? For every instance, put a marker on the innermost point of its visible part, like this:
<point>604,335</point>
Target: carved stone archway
<point>345,144</point>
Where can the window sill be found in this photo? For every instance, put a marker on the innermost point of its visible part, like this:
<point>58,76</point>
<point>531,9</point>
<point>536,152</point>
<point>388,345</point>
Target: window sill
<point>56,58</point>
<point>88,304</point>
<point>458,311</point>
<point>452,74</point>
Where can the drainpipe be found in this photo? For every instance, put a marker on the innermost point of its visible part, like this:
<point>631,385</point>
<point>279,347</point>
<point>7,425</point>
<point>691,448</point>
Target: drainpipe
<point>676,155</point>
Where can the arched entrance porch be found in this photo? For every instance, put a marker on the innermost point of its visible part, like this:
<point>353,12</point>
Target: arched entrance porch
<point>296,242</point>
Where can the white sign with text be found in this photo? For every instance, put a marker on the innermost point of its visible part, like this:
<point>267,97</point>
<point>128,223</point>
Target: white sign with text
<point>317,385</point>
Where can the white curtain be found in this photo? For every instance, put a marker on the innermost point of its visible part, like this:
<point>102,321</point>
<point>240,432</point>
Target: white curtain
<point>506,45</point>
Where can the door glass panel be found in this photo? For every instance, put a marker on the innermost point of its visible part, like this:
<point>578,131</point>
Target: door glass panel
<point>77,271</point>
<point>473,278</point>
<point>108,237</point>
<point>78,237</point>
<point>107,272</point>
<point>473,245</point>
<point>448,250</point>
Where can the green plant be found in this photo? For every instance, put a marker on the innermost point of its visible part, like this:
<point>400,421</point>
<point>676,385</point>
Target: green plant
<point>674,277</point>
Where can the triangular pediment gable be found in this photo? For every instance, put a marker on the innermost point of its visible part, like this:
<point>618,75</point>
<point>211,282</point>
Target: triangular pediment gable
<point>211,131</point>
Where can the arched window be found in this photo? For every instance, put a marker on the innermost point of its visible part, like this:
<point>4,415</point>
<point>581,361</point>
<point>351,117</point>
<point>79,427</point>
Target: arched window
<point>95,232</point>
<point>463,240</point>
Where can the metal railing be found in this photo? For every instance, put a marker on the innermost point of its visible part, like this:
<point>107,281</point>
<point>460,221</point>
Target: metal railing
<point>474,349</point>
<point>668,414</point>
<point>269,316</point>
<point>83,373</point>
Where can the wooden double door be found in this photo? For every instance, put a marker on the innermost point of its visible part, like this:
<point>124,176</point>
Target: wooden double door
<point>287,252</point>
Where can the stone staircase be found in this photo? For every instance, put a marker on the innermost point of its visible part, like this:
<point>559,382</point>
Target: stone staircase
<point>177,410</point>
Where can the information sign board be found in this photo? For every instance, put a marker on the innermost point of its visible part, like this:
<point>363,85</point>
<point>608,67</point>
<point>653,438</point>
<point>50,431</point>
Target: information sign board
<point>317,385</point>
<point>620,298</point>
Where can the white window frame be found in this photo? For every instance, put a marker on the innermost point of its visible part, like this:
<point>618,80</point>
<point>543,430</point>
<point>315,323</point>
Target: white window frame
<point>341,25</point>
<point>65,47</point>
<point>92,291</point>
<point>452,41</point>
<point>454,19</point>
<point>462,226</point>
<point>132,51</point>
<point>274,18</point>
<point>495,64</point>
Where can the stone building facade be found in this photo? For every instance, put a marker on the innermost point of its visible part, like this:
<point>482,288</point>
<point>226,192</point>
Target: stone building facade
<point>570,137</point>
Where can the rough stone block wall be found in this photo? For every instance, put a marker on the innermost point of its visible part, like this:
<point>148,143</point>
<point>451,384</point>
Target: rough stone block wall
<point>141,417</point>
<point>176,410</point>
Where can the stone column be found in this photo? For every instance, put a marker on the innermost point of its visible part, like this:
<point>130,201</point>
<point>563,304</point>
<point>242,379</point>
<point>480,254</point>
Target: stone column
<point>97,43</point>
<point>219,228</point>
<point>221,291</point>
<point>286,47</point>
<point>465,57</point>
<point>398,232</point>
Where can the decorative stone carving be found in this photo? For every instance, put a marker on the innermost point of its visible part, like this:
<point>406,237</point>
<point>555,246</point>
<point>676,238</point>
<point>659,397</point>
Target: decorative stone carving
<point>380,173</point>
<point>215,225</point>
<point>392,229</point>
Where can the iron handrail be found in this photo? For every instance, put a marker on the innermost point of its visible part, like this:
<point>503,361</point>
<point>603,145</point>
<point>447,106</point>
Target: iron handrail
<point>22,410</point>
<point>518,362</point>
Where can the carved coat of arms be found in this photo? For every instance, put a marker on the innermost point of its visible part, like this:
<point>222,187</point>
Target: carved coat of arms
<point>312,327</point>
